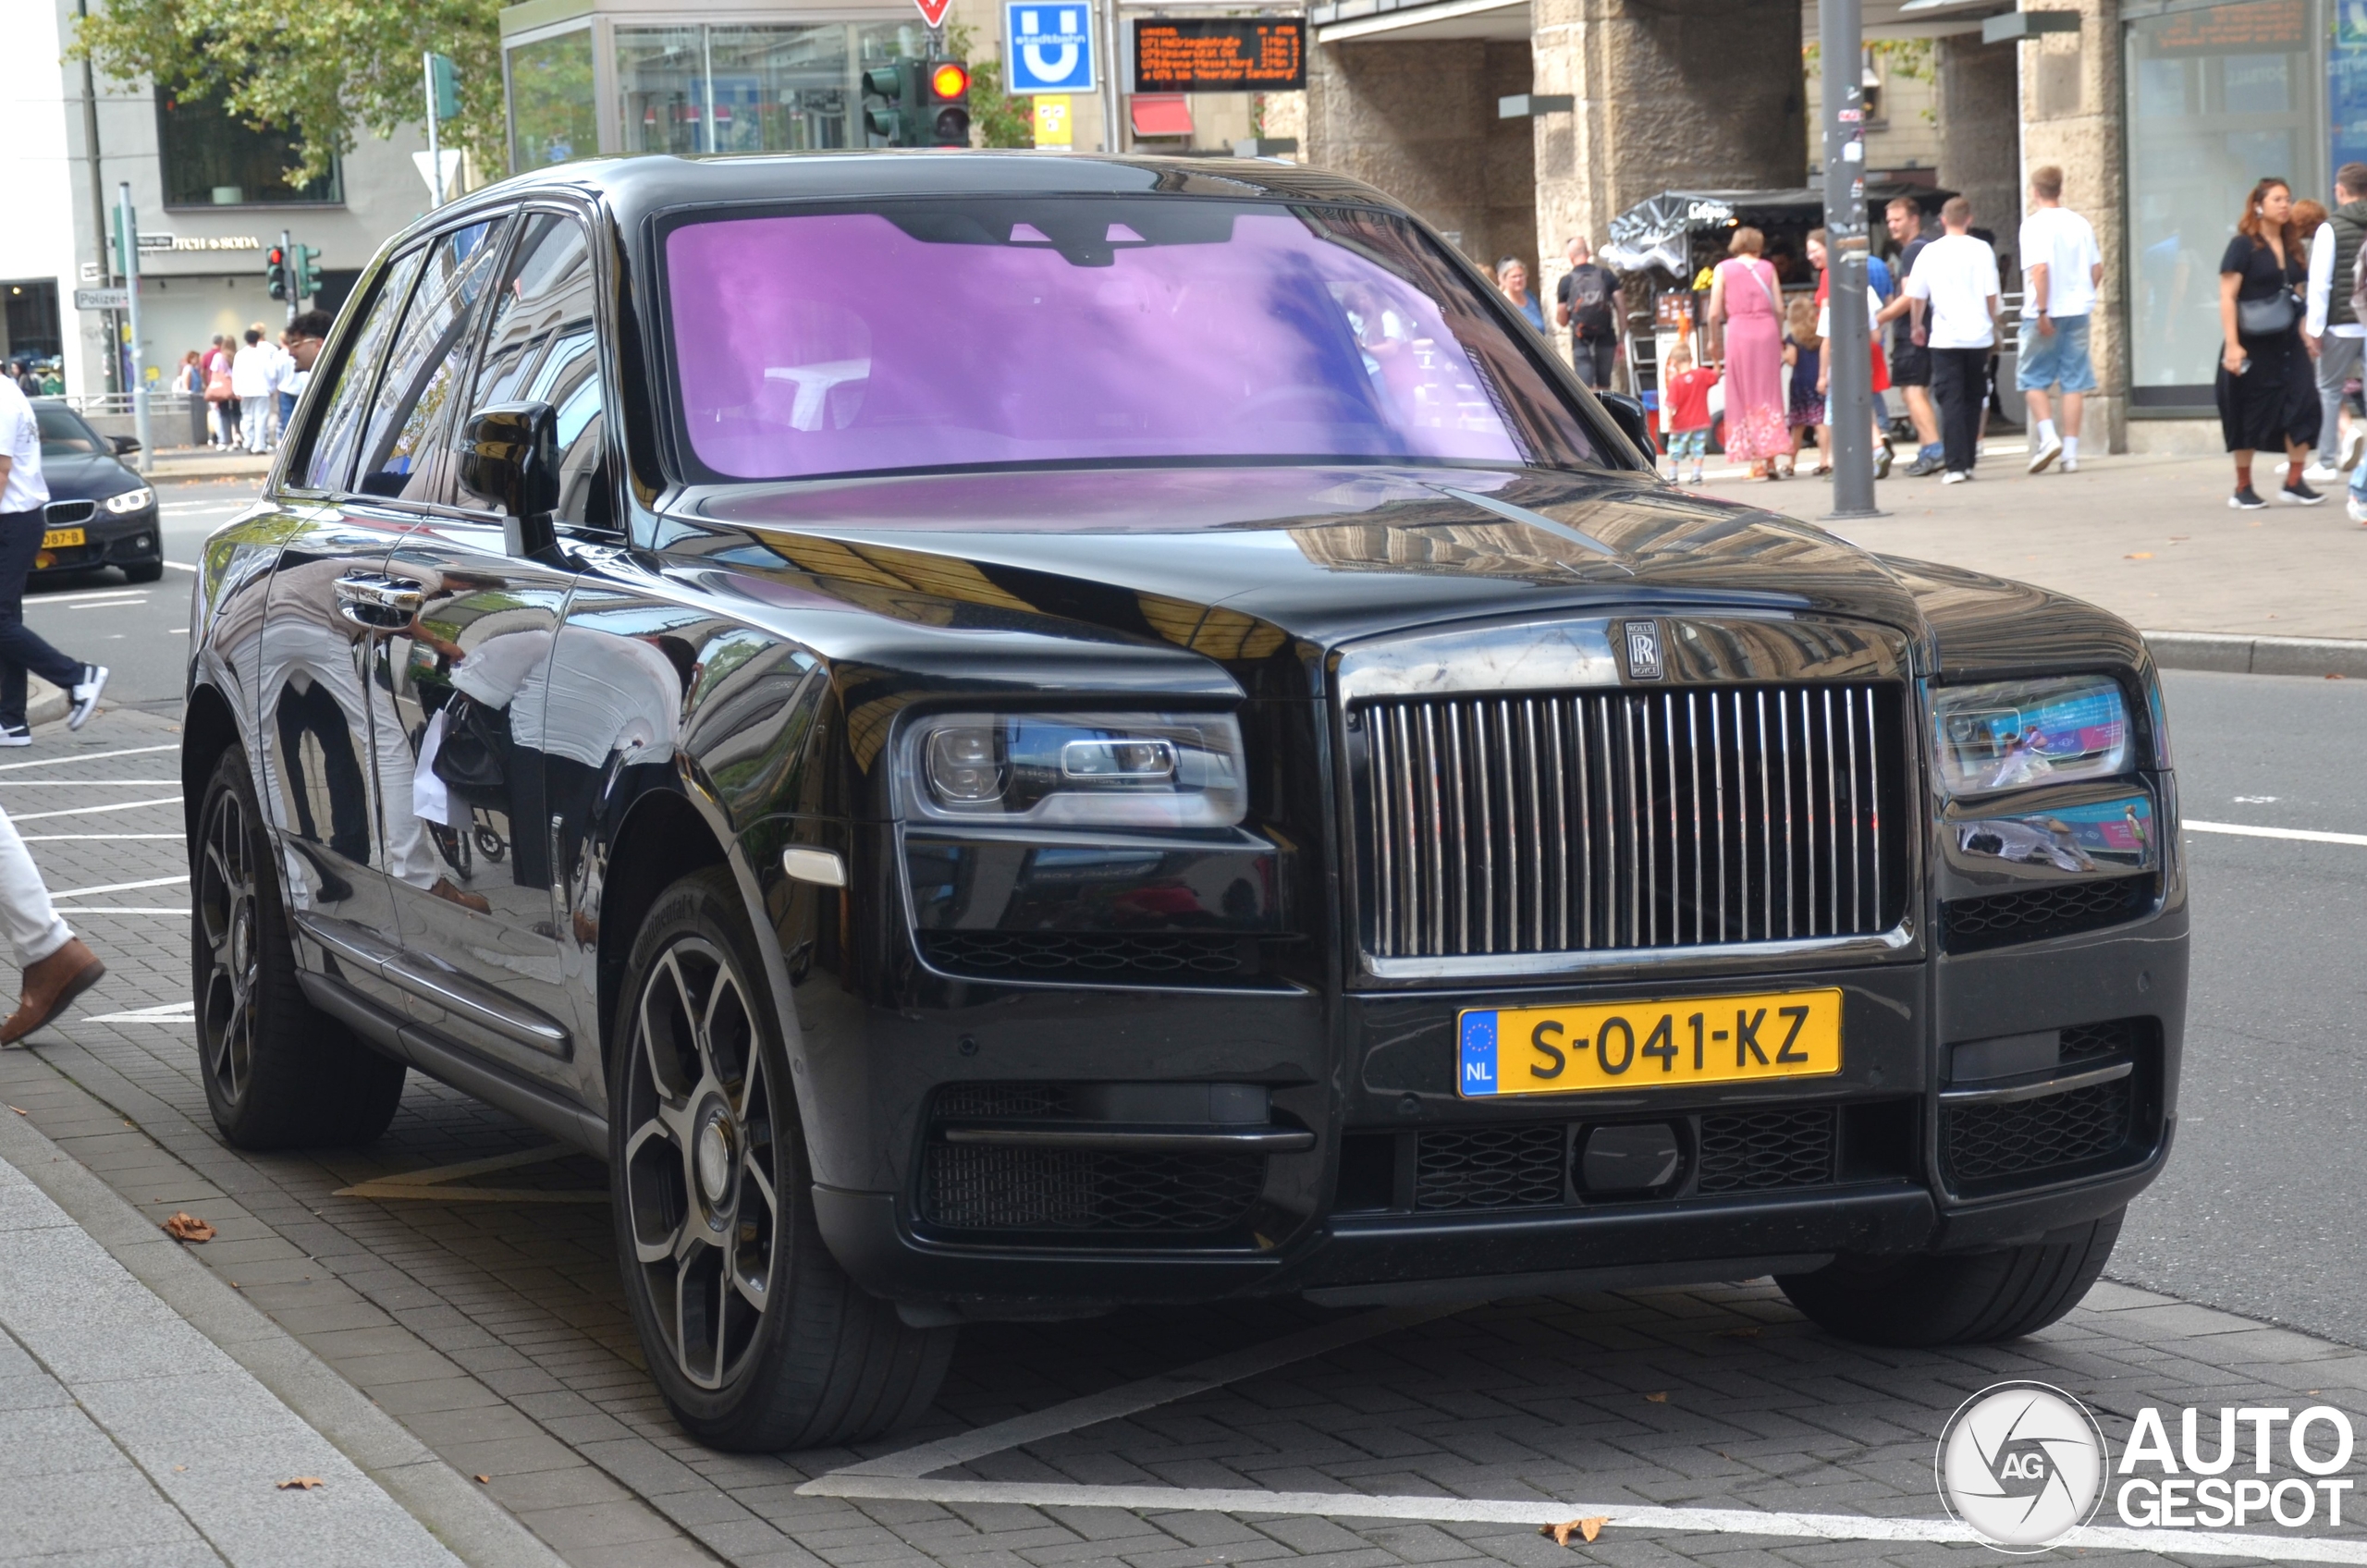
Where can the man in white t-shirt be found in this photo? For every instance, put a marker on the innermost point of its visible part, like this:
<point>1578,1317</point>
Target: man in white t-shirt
<point>1955,277</point>
<point>2060,269</point>
<point>2335,334</point>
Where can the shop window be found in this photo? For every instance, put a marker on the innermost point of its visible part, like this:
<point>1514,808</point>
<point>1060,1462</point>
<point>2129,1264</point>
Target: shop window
<point>551,104</point>
<point>212,158</point>
<point>2217,99</point>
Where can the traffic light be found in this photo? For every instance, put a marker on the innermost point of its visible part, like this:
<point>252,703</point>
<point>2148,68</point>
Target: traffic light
<point>443,85</point>
<point>891,104</point>
<point>305,272</point>
<point>948,112</point>
<point>274,272</point>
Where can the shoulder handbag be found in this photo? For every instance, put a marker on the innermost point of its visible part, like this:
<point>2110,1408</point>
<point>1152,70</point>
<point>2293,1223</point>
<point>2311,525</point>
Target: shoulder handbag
<point>2265,318</point>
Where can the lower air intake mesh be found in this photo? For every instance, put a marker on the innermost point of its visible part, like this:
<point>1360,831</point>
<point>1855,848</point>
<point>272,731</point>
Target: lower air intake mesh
<point>1752,1150</point>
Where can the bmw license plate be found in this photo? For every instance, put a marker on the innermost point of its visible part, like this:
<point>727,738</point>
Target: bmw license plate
<point>61,538</point>
<point>1561,1050</point>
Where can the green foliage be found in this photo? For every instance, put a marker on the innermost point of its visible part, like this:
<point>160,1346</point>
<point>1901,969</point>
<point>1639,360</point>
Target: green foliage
<point>324,70</point>
<point>998,119</point>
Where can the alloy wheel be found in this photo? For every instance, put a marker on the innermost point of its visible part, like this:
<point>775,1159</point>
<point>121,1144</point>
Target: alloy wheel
<point>227,928</point>
<point>702,1171</point>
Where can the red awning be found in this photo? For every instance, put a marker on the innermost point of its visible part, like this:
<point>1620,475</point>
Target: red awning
<point>1160,114</point>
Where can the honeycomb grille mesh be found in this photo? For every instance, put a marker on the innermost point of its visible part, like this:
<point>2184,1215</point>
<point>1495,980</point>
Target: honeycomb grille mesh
<point>991,1102</point>
<point>2028,1138</point>
<point>1756,1150</point>
<point>2084,1042</point>
<point>1490,1168</point>
<point>1054,955</point>
<point>1996,920</point>
<point>973,1188</point>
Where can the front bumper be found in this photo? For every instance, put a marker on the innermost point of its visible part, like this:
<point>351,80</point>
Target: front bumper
<point>1395,1082</point>
<point>109,539</point>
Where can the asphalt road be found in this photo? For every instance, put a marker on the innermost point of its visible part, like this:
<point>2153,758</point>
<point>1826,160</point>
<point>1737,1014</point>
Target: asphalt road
<point>2258,1211</point>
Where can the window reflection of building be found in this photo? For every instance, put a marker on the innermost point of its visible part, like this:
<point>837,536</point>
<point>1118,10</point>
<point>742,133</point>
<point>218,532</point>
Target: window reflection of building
<point>2218,97</point>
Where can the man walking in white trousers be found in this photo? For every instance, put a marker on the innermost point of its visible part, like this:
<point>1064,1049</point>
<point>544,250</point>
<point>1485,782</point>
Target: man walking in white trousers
<point>251,379</point>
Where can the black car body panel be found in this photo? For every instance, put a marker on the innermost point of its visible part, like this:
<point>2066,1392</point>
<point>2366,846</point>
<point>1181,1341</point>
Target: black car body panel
<point>1206,1017</point>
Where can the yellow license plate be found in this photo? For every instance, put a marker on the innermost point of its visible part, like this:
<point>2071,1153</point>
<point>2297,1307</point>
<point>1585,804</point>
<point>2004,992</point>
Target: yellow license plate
<point>59,538</point>
<point>1561,1050</point>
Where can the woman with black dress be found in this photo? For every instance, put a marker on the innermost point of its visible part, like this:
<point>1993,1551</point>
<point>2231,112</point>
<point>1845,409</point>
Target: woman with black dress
<point>2268,392</point>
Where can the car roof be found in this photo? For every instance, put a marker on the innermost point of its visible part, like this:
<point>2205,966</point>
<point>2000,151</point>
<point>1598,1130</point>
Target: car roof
<point>638,187</point>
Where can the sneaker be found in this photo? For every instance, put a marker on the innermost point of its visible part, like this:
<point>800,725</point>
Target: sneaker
<point>1924,467</point>
<point>15,735</point>
<point>1956,476</point>
<point>2069,465</point>
<point>1697,477</point>
<point>2318,473</point>
<point>2246,499</point>
<point>2357,507</point>
<point>1882,459</point>
<point>86,695</point>
<point>2354,447</point>
<point>2041,456</point>
<point>2296,493</point>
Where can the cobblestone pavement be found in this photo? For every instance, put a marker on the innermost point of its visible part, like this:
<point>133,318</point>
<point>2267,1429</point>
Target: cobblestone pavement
<point>496,1333</point>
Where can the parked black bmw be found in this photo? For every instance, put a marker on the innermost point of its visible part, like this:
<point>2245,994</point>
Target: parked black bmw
<point>100,512</point>
<point>1009,735</point>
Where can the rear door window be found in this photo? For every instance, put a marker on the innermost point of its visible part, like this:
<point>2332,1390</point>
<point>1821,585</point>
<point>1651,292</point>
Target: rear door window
<point>414,401</point>
<point>329,463</point>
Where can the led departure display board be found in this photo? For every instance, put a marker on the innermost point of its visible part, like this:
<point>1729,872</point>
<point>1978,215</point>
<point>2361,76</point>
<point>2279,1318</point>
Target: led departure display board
<point>1219,55</point>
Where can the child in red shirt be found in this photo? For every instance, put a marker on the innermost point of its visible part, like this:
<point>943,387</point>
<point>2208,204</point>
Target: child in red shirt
<point>1686,389</point>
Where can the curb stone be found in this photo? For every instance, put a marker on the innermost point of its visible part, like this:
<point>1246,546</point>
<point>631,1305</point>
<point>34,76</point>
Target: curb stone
<point>468,1523</point>
<point>2238,655</point>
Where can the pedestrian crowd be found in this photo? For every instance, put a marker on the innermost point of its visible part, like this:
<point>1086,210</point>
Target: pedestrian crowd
<point>250,381</point>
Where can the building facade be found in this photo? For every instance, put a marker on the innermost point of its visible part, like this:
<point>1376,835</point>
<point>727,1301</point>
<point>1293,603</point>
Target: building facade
<point>210,194</point>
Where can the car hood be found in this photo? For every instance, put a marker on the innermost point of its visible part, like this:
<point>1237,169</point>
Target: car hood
<point>87,476</point>
<point>1314,556</point>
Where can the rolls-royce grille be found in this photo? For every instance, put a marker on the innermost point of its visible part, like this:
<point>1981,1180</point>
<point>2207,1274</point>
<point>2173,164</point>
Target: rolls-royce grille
<point>1626,819</point>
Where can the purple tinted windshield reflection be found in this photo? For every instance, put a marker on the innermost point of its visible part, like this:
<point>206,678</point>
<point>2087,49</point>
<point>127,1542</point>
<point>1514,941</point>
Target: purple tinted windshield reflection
<point>840,343</point>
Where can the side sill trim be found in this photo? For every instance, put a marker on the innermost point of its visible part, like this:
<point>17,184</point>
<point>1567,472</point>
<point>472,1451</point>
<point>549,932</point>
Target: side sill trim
<point>2011,1093</point>
<point>451,992</point>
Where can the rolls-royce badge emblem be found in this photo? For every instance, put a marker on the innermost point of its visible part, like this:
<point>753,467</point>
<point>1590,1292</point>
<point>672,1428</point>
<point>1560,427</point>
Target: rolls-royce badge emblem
<point>1643,650</point>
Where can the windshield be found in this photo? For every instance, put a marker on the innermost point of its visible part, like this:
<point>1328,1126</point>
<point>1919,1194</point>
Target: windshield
<point>1033,330</point>
<point>63,433</point>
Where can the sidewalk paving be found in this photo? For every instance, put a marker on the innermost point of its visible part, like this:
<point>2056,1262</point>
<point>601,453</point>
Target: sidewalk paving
<point>2151,539</point>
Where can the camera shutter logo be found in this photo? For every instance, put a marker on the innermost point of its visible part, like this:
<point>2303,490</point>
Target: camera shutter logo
<point>2022,1464</point>
<point>1643,649</point>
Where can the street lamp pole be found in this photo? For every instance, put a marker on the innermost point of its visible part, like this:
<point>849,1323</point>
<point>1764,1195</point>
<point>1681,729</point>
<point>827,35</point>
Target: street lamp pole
<point>127,234</point>
<point>1847,349</point>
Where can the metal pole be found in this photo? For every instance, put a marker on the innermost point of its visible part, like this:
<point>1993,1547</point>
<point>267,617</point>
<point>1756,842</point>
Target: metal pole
<point>1847,350</point>
<point>287,271</point>
<point>130,228</point>
<point>98,190</point>
<point>1113,136</point>
<point>435,154</point>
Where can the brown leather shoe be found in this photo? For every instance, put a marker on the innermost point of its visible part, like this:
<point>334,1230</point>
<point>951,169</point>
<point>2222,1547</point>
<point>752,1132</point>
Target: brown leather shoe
<point>50,986</point>
<point>460,896</point>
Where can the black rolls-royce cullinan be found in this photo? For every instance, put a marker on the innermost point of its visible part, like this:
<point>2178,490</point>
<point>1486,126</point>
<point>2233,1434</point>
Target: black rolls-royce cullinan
<point>1004,735</point>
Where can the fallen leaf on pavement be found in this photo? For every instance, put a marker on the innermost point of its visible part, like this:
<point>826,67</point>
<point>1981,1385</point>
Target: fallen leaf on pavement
<point>301,1483</point>
<point>188,1227</point>
<point>1657,1399</point>
<point>1587,1529</point>
<point>18,1109</point>
<point>2140,555</point>
<point>486,1479</point>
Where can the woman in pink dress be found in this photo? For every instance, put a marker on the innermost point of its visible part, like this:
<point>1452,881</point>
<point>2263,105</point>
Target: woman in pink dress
<point>1745,301</point>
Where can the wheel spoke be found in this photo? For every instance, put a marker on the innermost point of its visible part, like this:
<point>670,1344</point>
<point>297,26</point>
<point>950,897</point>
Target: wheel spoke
<point>722,1314</point>
<point>763,1185</point>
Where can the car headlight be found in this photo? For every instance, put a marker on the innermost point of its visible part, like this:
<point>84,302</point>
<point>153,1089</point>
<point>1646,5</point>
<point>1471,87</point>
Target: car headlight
<point>2013,734</point>
<point>1074,770</point>
<point>138,500</point>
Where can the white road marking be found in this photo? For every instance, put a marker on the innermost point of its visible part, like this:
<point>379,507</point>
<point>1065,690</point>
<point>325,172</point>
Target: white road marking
<point>106,838</point>
<point>123,908</point>
<point>180,566</point>
<point>171,1012</point>
<point>1482,1510</point>
<point>94,811</point>
<point>86,756</point>
<point>83,783</point>
<point>118,886</point>
<point>113,596</point>
<point>2307,836</point>
<point>1129,1398</point>
<point>110,605</point>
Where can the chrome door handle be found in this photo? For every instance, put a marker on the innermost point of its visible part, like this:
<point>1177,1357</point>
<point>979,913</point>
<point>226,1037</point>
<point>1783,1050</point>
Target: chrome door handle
<point>380,604</point>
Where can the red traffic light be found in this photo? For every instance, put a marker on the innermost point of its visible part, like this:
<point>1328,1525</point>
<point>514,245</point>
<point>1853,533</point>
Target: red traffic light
<point>275,255</point>
<point>950,79</point>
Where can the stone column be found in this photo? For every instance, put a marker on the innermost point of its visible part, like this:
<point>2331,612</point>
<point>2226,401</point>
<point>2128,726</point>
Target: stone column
<point>1411,118</point>
<point>2073,95</point>
<point>1670,94</point>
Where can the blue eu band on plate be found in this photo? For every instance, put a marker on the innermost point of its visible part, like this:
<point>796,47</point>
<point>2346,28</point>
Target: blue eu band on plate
<point>1639,1044</point>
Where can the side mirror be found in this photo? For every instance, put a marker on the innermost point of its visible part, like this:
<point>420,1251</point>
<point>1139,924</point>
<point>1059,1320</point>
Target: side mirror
<point>1627,412</point>
<point>509,452</point>
<point>124,443</point>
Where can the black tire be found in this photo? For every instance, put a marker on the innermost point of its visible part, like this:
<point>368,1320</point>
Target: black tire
<point>1965,1299</point>
<point>755,1336</point>
<point>144,571</point>
<point>279,1072</point>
